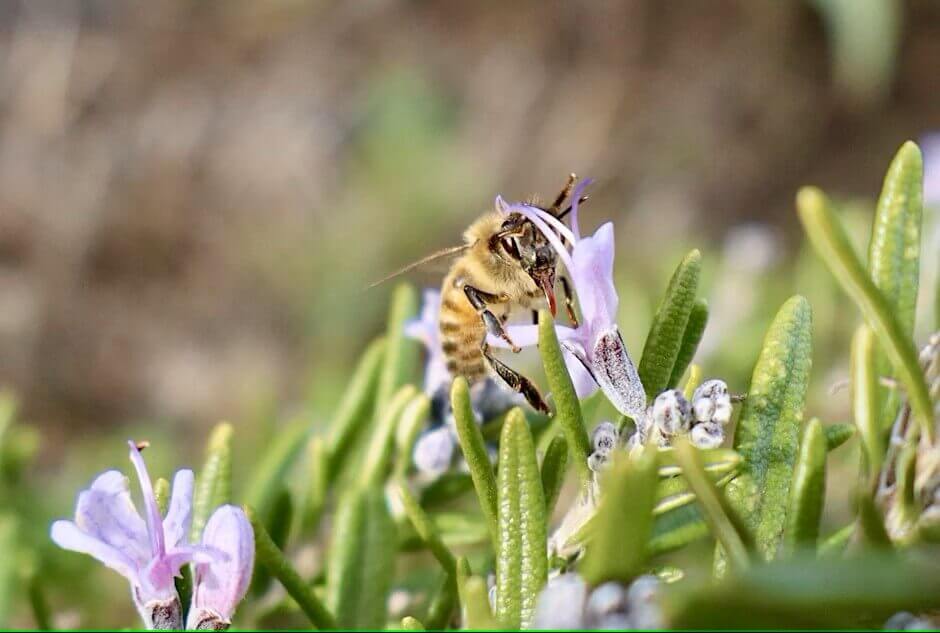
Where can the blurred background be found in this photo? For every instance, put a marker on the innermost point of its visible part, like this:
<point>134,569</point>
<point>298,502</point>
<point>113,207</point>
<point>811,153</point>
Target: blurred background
<point>194,195</point>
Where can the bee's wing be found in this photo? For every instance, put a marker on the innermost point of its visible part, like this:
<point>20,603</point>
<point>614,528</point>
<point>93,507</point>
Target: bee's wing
<point>444,252</point>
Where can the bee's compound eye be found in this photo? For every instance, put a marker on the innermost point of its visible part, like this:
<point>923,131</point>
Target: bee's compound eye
<point>509,245</point>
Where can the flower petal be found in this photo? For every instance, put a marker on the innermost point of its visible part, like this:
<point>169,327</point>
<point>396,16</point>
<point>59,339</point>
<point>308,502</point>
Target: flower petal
<point>575,360</point>
<point>593,276</point>
<point>434,451</point>
<point>68,535</point>
<point>151,510</point>
<point>616,374</point>
<point>575,202</point>
<point>106,513</point>
<point>220,585</point>
<point>179,515</point>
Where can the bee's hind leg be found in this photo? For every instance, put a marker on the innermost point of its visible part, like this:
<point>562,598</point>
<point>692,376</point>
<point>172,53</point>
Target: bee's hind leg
<point>516,381</point>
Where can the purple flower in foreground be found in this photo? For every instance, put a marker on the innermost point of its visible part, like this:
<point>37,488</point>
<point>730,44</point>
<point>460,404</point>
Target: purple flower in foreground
<point>220,584</point>
<point>149,553</point>
<point>594,351</point>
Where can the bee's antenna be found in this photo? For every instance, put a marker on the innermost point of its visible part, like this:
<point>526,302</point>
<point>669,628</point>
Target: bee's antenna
<point>452,250</point>
<point>562,215</point>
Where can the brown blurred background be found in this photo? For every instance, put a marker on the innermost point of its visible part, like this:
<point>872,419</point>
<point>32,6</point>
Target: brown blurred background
<point>193,195</point>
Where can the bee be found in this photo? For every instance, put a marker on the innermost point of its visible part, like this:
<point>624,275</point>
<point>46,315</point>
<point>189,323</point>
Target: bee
<point>505,265</point>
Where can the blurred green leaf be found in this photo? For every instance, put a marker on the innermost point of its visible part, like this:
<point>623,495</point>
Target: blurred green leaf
<point>677,528</point>
<point>894,255</point>
<point>456,529</point>
<point>521,564</point>
<point>443,602</point>
<point>675,492</point>
<point>695,379</point>
<point>409,623</point>
<point>8,568</point>
<point>214,484</point>
<point>666,337</point>
<point>316,485</point>
<point>474,452</point>
<point>413,419</point>
<point>831,243</point>
<point>38,603</point>
<point>277,525</point>
<point>446,488</point>
<point>768,431</point>
<point>808,490</point>
<point>426,530</point>
<point>474,600</point>
<point>838,434</point>
<point>361,559</point>
<point>268,555</point>
<point>694,329</point>
<point>723,520</point>
<point>622,526</point>
<point>805,592</point>
<point>355,407</point>
<point>906,509</point>
<point>871,522</point>
<point>378,452</point>
<point>553,471</point>
<point>567,405</point>
<point>273,465</point>
<point>865,400</point>
<point>714,460</point>
<point>401,353</point>
<point>835,543</point>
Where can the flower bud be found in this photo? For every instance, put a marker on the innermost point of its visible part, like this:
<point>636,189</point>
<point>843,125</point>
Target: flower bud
<point>434,451</point>
<point>561,603</point>
<point>711,402</point>
<point>670,413</point>
<point>707,435</point>
<point>605,438</point>
<point>597,461</point>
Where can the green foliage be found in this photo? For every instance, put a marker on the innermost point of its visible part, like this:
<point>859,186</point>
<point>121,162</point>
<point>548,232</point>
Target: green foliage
<point>624,521</point>
<point>808,488</point>
<point>568,407</point>
<point>214,482</point>
<point>670,336</point>
<point>274,464</point>
<point>473,598</point>
<point>8,567</point>
<point>830,241</point>
<point>474,452</point>
<point>694,329</point>
<point>837,435</point>
<point>767,436</point>
<point>553,471</point>
<point>379,450</point>
<point>361,559</point>
<point>270,556</point>
<point>521,565</point>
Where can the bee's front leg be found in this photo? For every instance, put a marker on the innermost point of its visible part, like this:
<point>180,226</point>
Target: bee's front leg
<point>516,381</point>
<point>479,300</point>
<point>569,301</point>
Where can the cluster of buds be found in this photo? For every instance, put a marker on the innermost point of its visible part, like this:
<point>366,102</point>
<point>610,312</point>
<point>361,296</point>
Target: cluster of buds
<point>567,602</point>
<point>670,415</point>
<point>150,552</point>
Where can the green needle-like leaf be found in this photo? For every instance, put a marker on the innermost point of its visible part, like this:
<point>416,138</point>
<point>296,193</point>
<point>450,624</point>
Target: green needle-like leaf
<point>426,530</point>
<point>38,603</point>
<point>361,559</point>
<point>521,563</point>
<point>808,490</point>
<point>375,463</point>
<point>474,452</point>
<point>722,518</point>
<point>838,434</point>
<point>214,484</point>
<point>268,554</point>
<point>474,600</point>
<point>835,543</point>
<point>894,250</point>
<point>832,244</point>
<point>567,405</point>
<point>277,524</point>
<point>677,528</point>
<point>413,419</point>
<point>274,464</point>
<point>443,602</point>
<point>401,353</point>
<point>907,509</point>
<point>865,407</point>
<point>8,567</point>
<point>768,432</point>
<point>316,485</point>
<point>667,334</point>
<point>872,522</point>
<point>553,471</point>
<point>694,330</point>
<point>355,407</point>
<point>715,460</point>
<point>624,520</point>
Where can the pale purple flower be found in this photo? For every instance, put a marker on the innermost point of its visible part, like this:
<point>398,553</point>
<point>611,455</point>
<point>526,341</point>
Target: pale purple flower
<point>427,330</point>
<point>220,583</point>
<point>930,146</point>
<point>594,351</point>
<point>147,552</point>
<point>434,450</point>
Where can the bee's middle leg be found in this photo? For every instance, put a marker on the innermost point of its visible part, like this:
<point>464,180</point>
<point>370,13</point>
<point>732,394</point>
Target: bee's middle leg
<point>516,381</point>
<point>479,300</point>
<point>569,301</point>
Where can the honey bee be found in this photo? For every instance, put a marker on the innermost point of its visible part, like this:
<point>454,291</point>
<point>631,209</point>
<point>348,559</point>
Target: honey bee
<point>505,264</point>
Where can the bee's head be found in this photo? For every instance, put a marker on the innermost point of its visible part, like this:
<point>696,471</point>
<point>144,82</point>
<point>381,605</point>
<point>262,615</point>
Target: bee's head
<point>527,245</point>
